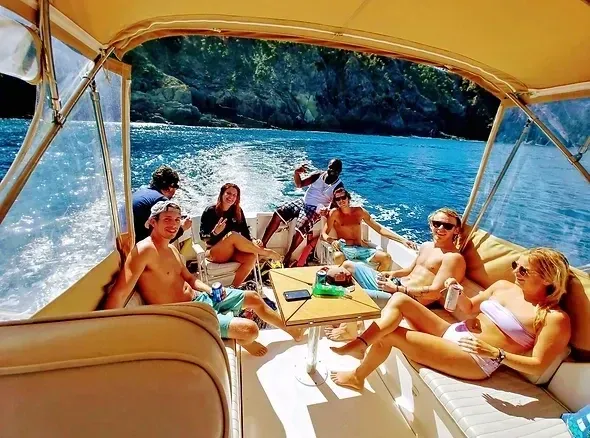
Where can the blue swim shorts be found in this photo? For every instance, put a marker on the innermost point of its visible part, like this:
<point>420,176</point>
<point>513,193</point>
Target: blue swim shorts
<point>227,309</point>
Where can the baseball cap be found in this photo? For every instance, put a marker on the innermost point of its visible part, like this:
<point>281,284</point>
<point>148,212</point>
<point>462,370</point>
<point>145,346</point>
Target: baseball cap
<point>161,207</point>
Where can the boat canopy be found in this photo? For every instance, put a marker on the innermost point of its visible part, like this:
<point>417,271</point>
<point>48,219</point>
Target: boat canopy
<point>535,50</point>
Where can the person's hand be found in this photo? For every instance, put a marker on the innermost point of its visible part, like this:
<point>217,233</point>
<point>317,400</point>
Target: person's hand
<point>387,285</point>
<point>411,245</point>
<point>220,226</point>
<point>258,243</point>
<point>336,244</point>
<point>477,346</point>
<point>223,293</point>
<point>302,168</point>
<point>450,281</point>
<point>186,223</point>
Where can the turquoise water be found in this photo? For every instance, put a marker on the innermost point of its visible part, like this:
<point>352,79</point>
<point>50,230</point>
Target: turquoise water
<point>542,201</point>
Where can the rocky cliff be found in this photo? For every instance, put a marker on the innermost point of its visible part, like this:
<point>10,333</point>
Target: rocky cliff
<point>233,82</point>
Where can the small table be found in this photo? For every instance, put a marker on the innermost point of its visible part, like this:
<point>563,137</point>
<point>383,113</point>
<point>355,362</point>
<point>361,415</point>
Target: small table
<point>317,311</point>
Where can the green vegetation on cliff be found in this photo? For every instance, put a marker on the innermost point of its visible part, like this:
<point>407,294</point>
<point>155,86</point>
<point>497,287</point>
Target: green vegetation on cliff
<point>229,82</point>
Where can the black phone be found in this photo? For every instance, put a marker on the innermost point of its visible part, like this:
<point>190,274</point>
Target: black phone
<point>296,295</point>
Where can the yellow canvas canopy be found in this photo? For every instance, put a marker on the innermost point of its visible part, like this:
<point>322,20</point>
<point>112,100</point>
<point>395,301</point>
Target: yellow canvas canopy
<point>536,50</point>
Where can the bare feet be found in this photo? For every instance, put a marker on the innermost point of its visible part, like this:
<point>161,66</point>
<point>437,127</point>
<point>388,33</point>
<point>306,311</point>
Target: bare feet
<point>255,348</point>
<point>355,348</point>
<point>347,379</point>
<point>345,332</point>
<point>297,333</point>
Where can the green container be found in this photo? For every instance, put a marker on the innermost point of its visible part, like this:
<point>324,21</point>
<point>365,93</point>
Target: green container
<point>328,290</point>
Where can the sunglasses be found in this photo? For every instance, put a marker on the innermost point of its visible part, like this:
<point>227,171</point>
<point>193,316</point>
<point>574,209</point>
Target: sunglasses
<point>446,225</point>
<point>340,198</point>
<point>522,271</point>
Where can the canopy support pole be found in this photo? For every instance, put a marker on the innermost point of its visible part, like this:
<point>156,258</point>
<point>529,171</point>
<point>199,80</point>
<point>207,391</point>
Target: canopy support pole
<point>523,136</point>
<point>556,141</point>
<point>484,162</point>
<point>48,64</point>
<point>106,157</point>
<point>126,142</point>
<point>27,170</point>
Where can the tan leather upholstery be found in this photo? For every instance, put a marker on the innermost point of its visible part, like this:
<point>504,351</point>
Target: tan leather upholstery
<point>489,258</point>
<point>148,371</point>
<point>577,304</point>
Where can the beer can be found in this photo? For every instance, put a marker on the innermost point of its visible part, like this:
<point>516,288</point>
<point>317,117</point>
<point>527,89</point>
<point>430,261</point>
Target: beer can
<point>216,291</point>
<point>320,276</point>
<point>452,297</point>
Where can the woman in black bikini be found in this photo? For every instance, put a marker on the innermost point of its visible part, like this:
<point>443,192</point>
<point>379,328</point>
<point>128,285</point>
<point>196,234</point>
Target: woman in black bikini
<point>224,230</point>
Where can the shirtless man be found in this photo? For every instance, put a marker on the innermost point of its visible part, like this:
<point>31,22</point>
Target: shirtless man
<point>157,269</point>
<point>346,222</point>
<point>424,279</point>
<point>318,197</point>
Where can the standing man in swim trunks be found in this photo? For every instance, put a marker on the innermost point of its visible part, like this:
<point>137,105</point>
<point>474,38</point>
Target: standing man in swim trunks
<point>424,279</point>
<point>308,211</point>
<point>156,268</point>
<point>346,222</point>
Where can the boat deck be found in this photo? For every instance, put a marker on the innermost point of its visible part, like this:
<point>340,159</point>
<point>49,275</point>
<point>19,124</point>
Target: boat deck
<point>276,404</point>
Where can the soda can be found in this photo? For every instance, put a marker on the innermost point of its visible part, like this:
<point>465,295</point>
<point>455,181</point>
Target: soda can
<point>320,276</point>
<point>216,291</point>
<point>452,297</point>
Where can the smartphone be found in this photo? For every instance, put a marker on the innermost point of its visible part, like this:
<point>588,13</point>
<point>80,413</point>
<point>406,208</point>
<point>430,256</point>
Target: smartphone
<point>296,295</point>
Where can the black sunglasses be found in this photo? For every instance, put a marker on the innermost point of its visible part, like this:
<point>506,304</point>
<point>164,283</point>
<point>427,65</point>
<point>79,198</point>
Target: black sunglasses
<point>521,269</point>
<point>340,198</point>
<point>446,225</point>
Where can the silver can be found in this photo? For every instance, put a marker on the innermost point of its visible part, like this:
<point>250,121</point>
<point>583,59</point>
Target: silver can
<point>452,297</point>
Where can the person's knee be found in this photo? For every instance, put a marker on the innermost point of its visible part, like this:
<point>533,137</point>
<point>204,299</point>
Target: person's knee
<point>349,266</point>
<point>248,330</point>
<point>252,300</point>
<point>399,300</point>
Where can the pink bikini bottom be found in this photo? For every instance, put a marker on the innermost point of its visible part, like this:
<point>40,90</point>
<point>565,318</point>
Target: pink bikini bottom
<point>459,330</point>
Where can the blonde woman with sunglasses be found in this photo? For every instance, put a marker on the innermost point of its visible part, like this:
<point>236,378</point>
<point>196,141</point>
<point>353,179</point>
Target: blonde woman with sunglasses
<point>518,324</point>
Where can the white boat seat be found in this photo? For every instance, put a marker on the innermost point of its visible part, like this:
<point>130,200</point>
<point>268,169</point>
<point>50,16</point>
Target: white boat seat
<point>235,374</point>
<point>503,406</point>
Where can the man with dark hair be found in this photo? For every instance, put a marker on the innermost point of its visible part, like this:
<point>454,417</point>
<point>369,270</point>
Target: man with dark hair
<point>349,245</point>
<point>162,187</point>
<point>156,268</point>
<point>308,211</point>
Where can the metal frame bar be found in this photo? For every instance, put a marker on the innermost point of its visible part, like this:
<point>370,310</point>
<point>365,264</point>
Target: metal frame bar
<point>484,162</point>
<point>106,157</point>
<point>523,135</point>
<point>532,116</point>
<point>126,143</point>
<point>49,67</point>
<point>26,172</point>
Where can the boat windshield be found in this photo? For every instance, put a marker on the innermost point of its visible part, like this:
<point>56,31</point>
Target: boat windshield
<point>542,200</point>
<point>60,225</point>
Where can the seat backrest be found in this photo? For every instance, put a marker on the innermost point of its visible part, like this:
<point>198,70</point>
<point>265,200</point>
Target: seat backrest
<point>148,371</point>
